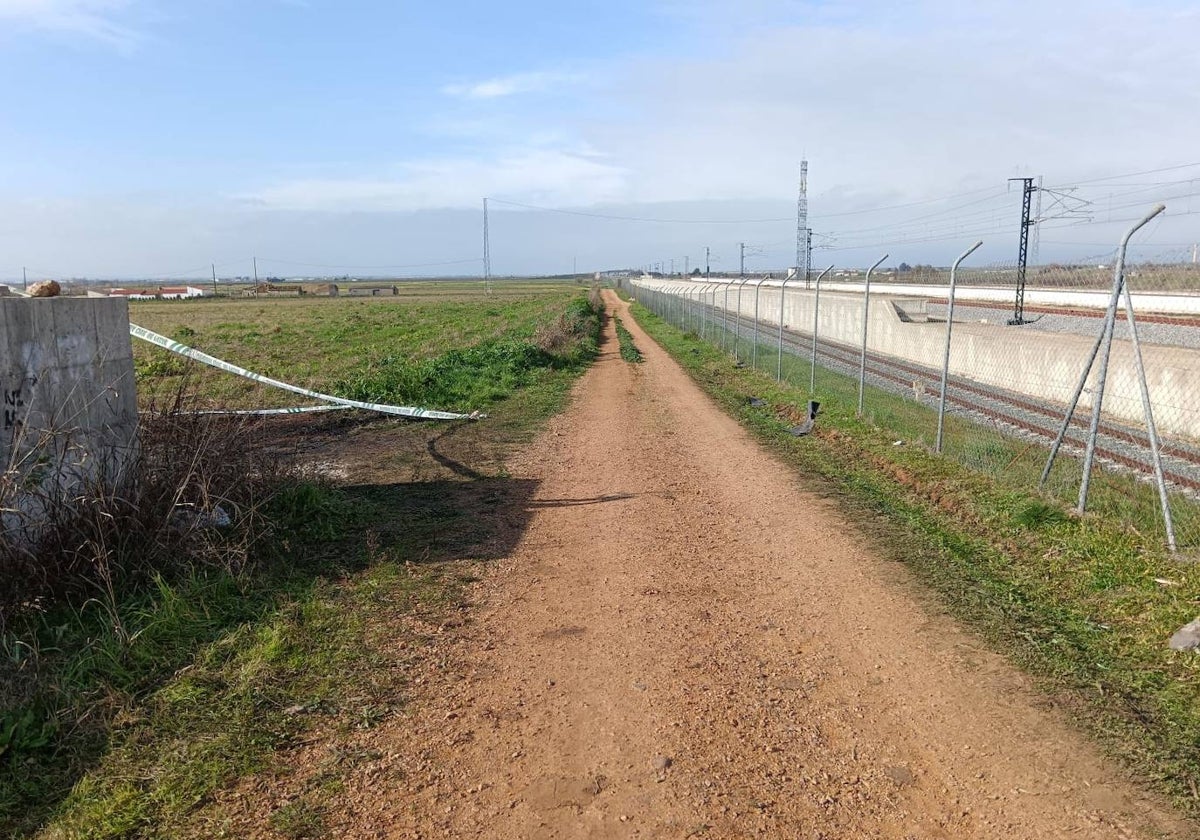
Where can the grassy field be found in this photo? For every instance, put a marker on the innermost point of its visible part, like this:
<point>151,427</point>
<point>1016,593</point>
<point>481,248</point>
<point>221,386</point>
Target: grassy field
<point>322,343</point>
<point>147,701</point>
<point>1084,605</point>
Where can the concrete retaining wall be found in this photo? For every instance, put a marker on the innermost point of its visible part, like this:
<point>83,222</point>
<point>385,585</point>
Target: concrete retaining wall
<point>1040,364</point>
<point>68,406</point>
<point>1166,303</point>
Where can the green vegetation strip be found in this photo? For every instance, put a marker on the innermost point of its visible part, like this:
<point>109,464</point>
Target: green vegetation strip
<point>1085,605</point>
<point>144,704</point>
<point>629,351</point>
<point>335,344</point>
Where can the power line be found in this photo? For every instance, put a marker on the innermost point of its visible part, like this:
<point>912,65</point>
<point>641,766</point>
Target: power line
<point>616,218</point>
<point>369,267</point>
<point>886,207</point>
<point>1130,175</point>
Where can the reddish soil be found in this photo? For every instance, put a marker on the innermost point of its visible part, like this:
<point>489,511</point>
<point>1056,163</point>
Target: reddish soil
<point>685,642</point>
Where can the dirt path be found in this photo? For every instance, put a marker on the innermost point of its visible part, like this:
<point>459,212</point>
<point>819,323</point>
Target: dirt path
<point>686,643</point>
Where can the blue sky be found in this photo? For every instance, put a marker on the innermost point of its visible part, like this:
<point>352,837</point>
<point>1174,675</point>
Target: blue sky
<point>142,136</point>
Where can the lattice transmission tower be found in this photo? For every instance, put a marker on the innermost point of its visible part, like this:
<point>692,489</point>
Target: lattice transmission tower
<point>803,234</point>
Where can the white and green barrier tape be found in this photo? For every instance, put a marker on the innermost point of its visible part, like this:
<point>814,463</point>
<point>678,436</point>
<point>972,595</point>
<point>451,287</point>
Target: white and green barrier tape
<point>333,403</point>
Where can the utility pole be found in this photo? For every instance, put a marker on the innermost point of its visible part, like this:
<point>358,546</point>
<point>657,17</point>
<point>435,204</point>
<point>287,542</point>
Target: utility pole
<point>706,265</point>
<point>1195,246</point>
<point>214,270</point>
<point>487,253</point>
<point>25,277</point>
<point>808,261</point>
<point>256,278</point>
<point>741,260</point>
<point>1028,189</point>
<point>672,266</point>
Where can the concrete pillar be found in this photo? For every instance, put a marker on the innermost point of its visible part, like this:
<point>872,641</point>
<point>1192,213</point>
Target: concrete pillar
<point>68,406</point>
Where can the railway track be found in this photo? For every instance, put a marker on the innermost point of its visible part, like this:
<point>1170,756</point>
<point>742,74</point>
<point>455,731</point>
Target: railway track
<point>1119,447</point>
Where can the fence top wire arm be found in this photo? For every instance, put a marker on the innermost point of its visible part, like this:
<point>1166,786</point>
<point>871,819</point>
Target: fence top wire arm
<point>941,423</point>
<point>862,365</point>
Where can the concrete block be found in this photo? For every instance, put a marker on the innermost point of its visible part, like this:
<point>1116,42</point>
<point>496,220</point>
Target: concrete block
<point>68,406</point>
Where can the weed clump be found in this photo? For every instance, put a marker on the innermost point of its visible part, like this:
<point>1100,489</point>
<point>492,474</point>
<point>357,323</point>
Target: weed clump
<point>1036,514</point>
<point>629,351</point>
<point>468,378</point>
<point>193,498</point>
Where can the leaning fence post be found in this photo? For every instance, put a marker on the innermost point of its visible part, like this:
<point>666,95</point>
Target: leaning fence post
<point>812,373</point>
<point>1089,455</point>
<point>862,362</point>
<point>937,447</point>
<point>1151,429</point>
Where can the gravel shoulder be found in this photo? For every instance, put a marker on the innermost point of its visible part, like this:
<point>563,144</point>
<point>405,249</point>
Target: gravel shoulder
<point>687,642</point>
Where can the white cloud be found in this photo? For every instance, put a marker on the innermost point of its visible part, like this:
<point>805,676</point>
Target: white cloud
<point>508,85</point>
<point>956,96</point>
<point>98,19</point>
<point>533,175</point>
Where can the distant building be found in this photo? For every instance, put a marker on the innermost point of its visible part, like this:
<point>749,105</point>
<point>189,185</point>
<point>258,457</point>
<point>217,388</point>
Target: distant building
<point>161,293</point>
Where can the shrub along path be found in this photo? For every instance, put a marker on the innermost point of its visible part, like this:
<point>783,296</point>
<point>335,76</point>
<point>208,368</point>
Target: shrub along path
<point>684,642</point>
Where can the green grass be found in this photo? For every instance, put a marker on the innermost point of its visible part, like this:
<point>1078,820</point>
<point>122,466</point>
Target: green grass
<point>472,377</point>
<point>1012,463</point>
<point>1073,601</point>
<point>320,343</point>
<point>142,711</point>
<point>629,351</point>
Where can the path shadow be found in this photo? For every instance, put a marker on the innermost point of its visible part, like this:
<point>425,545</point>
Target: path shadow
<point>456,467</point>
<point>435,521</point>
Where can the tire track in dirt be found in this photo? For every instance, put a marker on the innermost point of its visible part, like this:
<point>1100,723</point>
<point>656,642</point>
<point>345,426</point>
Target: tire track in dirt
<point>686,643</point>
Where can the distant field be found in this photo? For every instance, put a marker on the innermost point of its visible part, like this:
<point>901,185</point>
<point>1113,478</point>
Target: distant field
<point>315,342</point>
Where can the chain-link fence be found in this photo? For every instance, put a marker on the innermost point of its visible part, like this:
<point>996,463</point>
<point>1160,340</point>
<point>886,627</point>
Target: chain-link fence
<point>1009,375</point>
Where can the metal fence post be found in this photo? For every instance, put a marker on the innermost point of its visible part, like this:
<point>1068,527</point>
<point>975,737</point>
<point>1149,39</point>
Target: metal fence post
<point>812,373</point>
<point>782,299</point>
<point>862,362</point>
<point>1151,430</point>
<point>1089,455</point>
<point>754,349</point>
<point>737,323</point>
<point>941,423</point>
<point>725,317</point>
<point>709,309</point>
